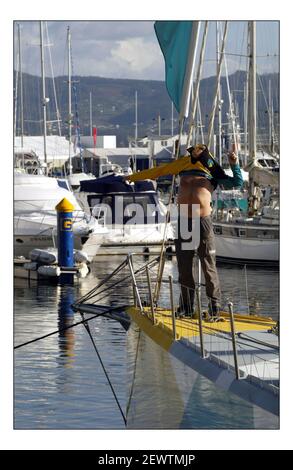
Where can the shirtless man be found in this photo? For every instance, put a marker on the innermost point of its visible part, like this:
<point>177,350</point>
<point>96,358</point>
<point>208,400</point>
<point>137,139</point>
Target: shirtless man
<point>199,175</point>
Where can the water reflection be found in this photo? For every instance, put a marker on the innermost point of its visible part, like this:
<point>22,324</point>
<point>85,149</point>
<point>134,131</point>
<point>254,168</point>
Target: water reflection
<point>53,376</point>
<point>65,319</point>
<point>166,394</point>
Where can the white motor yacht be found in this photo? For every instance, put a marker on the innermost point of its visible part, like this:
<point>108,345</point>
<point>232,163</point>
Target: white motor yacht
<point>133,212</point>
<point>35,217</point>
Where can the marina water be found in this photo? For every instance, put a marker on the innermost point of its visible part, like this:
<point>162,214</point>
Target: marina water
<point>59,382</point>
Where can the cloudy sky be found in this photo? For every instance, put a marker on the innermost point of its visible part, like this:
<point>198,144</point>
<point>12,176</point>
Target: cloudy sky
<point>129,49</point>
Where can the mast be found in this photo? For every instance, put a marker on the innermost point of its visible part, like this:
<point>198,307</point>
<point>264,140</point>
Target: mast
<point>91,115</point>
<point>69,99</point>
<point>212,115</point>
<point>195,101</point>
<point>252,92</point>
<point>159,124</point>
<point>219,97</point>
<point>44,99</point>
<point>21,92</point>
<point>245,120</point>
<point>58,115</point>
<point>135,135</point>
<point>184,110</point>
<point>184,105</point>
<point>271,120</point>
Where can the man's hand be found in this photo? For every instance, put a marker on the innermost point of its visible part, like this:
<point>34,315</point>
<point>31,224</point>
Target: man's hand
<point>233,159</point>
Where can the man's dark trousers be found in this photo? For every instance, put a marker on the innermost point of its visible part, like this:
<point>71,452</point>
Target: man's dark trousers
<point>185,260</point>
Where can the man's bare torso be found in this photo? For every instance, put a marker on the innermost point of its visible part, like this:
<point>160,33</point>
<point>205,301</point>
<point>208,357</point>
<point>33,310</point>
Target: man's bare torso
<point>195,190</point>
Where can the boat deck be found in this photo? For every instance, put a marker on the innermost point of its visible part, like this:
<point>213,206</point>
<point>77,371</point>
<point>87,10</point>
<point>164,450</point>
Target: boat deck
<point>257,345</point>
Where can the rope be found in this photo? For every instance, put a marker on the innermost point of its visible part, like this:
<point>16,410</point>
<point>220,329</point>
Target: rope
<point>94,292</point>
<point>103,367</point>
<point>61,330</point>
<point>89,294</point>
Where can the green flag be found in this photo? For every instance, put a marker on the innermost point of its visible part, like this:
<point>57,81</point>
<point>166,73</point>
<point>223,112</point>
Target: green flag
<point>174,38</point>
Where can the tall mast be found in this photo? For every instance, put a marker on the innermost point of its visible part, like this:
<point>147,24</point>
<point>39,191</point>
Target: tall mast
<point>219,68</point>
<point>44,99</point>
<point>252,91</point>
<point>58,115</point>
<point>21,87</point>
<point>219,97</point>
<point>135,118</point>
<point>159,124</point>
<point>91,115</point>
<point>195,101</point>
<point>69,98</point>
<point>271,120</point>
<point>245,94</point>
<point>21,95</point>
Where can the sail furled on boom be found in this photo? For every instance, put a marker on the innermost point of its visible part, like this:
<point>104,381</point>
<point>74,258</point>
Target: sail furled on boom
<point>178,40</point>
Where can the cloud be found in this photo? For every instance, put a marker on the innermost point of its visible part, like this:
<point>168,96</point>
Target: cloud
<point>136,57</point>
<point>129,49</point>
<point>125,49</point>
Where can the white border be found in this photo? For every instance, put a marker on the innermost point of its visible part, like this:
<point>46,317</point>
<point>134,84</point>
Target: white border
<point>127,10</point>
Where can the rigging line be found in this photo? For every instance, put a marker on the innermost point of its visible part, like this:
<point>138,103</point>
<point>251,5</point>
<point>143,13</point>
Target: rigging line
<point>263,93</point>
<point>61,330</point>
<point>139,271</point>
<point>134,374</point>
<point>88,296</point>
<point>103,367</point>
<point>103,281</point>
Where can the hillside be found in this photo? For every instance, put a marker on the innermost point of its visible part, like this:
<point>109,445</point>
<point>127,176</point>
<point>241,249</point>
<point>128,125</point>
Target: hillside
<point>113,108</point>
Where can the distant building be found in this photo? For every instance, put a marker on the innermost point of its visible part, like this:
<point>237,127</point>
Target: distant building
<point>163,145</point>
<point>102,141</point>
<point>57,149</point>
<point>97,160</point>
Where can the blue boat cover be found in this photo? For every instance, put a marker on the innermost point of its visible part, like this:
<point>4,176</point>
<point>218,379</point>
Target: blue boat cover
<point>114,184</point>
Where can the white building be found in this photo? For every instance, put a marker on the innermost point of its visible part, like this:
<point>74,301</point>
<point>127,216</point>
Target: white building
<point>57,149</point>
<point>102,141</point>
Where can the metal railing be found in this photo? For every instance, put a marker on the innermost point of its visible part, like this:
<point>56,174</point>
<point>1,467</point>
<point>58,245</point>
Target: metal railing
<point>207,333</point>
<point>222,345</point>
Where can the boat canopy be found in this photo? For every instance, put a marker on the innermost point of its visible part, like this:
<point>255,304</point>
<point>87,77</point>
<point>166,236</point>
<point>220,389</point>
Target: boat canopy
<point>114,184</point>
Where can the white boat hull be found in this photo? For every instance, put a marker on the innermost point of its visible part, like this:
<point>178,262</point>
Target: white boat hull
<point>24,244</point>
<point>247,250</point>
<point>144,234</point>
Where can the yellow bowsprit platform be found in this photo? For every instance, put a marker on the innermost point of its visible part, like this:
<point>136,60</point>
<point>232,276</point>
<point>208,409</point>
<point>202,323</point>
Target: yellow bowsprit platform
<point>162,329</point>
